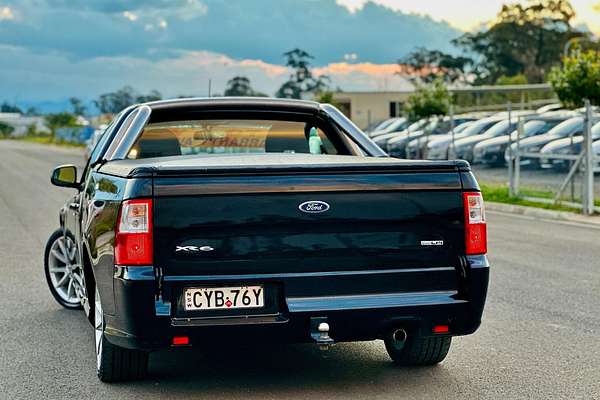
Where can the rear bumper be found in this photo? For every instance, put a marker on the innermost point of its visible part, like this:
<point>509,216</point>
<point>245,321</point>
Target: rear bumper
<point>143,321</point>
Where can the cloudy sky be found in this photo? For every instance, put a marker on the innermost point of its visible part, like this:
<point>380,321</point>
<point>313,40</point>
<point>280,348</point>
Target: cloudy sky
<point>54,49</point>
<point>469,14</point>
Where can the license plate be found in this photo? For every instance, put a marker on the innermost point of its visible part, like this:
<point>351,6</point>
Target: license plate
<point>219,298</point>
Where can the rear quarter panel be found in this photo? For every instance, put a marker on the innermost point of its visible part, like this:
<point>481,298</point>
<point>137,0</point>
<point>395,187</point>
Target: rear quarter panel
<point>102,197</point>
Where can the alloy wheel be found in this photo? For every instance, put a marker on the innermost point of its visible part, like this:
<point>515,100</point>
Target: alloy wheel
<point>98,328</point>
<point>65,273</point>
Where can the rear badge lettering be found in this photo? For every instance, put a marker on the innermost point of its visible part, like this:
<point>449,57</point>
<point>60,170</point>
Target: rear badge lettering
<point>193,249</point>
<point>314,207</point>
<point>432,242</point>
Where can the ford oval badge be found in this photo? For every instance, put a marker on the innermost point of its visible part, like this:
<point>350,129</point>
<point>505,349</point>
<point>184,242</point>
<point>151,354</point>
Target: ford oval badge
<point>314,207</point>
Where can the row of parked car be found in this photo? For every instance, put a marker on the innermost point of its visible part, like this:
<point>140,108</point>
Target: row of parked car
<point>484,138</point>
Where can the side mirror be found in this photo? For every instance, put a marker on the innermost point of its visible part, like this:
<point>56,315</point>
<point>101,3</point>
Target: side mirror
<point>65,176</point>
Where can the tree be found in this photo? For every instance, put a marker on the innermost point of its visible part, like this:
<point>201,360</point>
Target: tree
<point>32,111</point>
<point>31,130</point>
<point>154,95</point>
<point>240,86</point>
<point>114,102</point>
<point>326,97</point>
<point>426,66</point>
<point>429,100</point>
<point>578,79</point>
<point>60,120</point>
<point>512,80</point>
<point>525,39</point>
<point>301,82</point>
<point>6,129</point>
<point>7,108</point>
<point>581,43</point>
<point>77,105</point>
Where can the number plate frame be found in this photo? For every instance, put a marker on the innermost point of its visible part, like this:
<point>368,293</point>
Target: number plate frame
<point>215,298</point>
<point>274,300</point>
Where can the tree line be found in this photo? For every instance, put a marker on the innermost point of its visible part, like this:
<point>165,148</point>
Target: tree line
<point>301,83</point>
<point>532,42</point>
<point>525,39</point>
<point>526,43</point>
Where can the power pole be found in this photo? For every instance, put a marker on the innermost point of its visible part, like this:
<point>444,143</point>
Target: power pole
<point>588,200</point>
<point>511,158</point>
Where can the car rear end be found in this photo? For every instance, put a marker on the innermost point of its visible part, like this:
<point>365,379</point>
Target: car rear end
<point>491,151</point>
<point>414,149</point>
<point>276,254</point>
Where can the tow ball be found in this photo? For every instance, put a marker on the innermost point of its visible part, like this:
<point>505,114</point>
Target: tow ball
<point>319,331</point>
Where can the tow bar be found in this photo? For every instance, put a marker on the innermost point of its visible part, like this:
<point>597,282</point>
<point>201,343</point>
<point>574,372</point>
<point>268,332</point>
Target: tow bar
<point>319,331</point>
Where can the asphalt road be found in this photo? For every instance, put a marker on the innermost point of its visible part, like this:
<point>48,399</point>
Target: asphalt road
<point>540,336</point>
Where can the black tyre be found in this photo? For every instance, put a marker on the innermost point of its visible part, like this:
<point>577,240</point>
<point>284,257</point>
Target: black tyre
<point>114,363</point>
<point>418,350</point>
<point>63,273</point>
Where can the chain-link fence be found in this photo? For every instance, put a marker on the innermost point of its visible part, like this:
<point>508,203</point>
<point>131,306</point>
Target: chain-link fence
<point>547,155</point>
<point>578,154</point>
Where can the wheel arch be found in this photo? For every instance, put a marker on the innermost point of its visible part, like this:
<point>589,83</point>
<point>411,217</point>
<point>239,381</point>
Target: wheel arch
<point>90,280</point>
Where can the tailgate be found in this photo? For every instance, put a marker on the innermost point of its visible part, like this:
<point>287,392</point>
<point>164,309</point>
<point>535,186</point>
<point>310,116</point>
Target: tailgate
<point>255,224</point>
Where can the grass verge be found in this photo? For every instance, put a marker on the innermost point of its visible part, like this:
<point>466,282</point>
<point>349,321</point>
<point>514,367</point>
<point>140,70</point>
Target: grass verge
<point>47,140</point>
<point>499,194</point>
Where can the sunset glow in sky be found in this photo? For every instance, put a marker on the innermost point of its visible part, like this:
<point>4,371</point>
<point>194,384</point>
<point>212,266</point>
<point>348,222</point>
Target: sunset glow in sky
<point>55,49</point>
<point>469,14</point>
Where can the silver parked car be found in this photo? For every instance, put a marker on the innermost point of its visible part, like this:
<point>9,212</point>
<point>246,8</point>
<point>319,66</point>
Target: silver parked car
<point>463,148</point>
<point>393,125</point>
<point>549,108</point>
<point>567,145</point>
<point>572,126</point>
<point>396,146</point>
<point>440,147</point>
<point>596,151</point>
<point>382,139</point>
<point>417,147</point>
<point>491,151</point>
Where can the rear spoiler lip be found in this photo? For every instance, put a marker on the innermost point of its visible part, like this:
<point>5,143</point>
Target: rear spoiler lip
<point>150,171</point>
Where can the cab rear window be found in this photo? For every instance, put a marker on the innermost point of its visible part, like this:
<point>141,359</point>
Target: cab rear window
<point>223,136</point>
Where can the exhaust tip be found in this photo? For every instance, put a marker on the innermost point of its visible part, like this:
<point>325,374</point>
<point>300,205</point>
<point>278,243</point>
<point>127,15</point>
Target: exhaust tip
<point>399,335</point>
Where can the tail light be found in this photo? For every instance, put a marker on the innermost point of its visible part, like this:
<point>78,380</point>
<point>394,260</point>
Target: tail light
<point>133,239</point>
<point>475,226</point>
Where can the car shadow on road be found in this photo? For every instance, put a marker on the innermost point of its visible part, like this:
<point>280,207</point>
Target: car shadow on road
<point>243,370</point>
<point>277,369</point>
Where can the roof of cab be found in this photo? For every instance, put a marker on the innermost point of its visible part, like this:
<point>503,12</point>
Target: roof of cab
<point>242,103</point>
<point>268,162</point>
